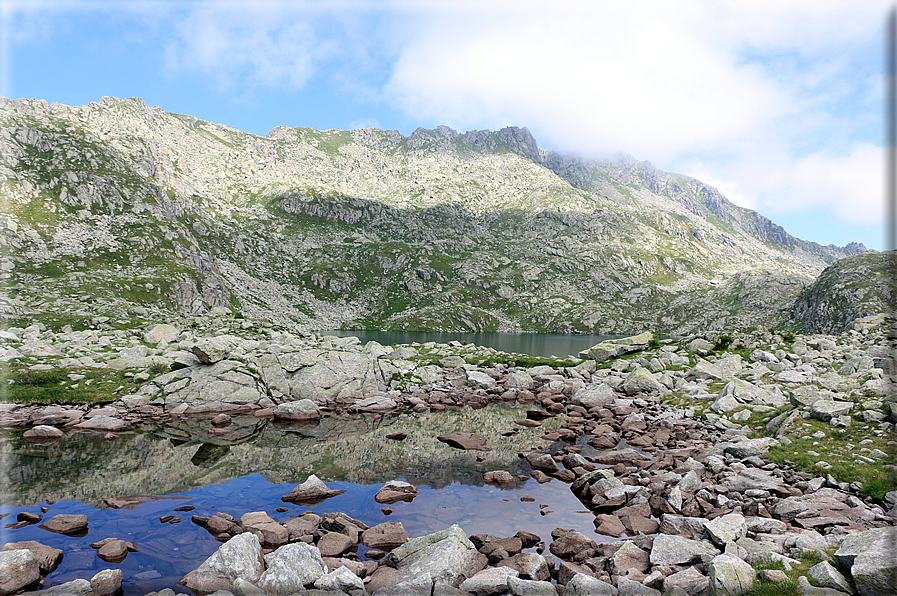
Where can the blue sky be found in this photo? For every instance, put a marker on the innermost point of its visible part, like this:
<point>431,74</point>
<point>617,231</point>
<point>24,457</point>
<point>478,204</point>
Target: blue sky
<point>776,104</point>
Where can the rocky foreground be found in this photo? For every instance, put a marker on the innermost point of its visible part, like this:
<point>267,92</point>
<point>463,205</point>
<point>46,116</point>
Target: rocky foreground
<point>701,506</point>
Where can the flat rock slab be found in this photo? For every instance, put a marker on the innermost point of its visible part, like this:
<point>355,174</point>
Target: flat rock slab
<point>466,441</point>
<point>385,536</point>
<point>65,524</point>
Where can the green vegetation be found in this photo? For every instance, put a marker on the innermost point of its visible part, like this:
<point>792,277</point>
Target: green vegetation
<point>55,386</point>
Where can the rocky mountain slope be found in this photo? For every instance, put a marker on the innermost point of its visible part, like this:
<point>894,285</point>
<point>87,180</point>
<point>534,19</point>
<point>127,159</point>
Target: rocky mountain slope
<point>116,206</point>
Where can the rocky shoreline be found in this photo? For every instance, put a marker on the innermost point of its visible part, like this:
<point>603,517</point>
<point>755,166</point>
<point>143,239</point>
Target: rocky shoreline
<point>702,508</point>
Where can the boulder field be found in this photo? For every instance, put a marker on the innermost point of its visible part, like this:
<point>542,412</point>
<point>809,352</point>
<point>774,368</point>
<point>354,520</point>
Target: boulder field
<point>698,505</point>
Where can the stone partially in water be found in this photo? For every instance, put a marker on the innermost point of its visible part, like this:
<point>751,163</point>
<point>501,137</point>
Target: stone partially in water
<point>395,491</point>
<point>385,536</point>
<point>42,434</point>
<point>312,490</point>
<point>65,524</point>
<point>18,569</point>
<point>300,410</point>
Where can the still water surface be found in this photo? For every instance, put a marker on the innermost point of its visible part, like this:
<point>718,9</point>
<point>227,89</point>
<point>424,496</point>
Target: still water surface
<point>260,462</point>
<point>536,344</point>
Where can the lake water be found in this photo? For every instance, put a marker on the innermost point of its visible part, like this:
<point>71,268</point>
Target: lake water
<point>257,464</point>
<point>535,344</point>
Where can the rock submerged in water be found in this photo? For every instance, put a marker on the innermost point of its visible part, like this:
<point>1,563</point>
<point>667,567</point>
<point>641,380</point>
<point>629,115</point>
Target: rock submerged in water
<point>313,490</point>
<point>466,441</point>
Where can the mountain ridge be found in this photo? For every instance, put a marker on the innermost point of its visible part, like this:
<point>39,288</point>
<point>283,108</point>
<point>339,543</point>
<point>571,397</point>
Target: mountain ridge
<point>436,230</point>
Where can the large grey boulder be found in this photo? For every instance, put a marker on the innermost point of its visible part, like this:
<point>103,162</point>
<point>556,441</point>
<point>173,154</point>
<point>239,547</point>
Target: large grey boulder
<point>590,396</point>
<point>584,585</point>
<point>826,409</point>
<point>161,333</point>
<point>291,568</point>
<point>301,410</point>
<point>444,557</point>
<point>724,529</point>
<point>751,447</point>
<point>210,350</point>
<point>748,393</point>
<point>519,380</point>
<point>18,569</point>
<point>326,375</point>
<point>689,579</point>
<point>870,557</point>
<point>827,576</point>
<point>730,576</point>
<point>239,557</point>
<point>641,380</point>
<point>678,550</point>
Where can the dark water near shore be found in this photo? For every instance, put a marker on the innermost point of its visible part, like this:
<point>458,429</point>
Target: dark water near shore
<point>257,464</point>
<point>535,344</point>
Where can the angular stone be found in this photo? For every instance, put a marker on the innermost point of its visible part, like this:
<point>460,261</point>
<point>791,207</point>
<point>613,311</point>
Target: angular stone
<point>751,447</point>
<point>641,380</point>
<point>290,568</point>
<point>593,395</point>
<point>628,587</point>
<point>584,585</point>
<point>827,576</point>
<point>239,557</point>
<point>726,528</point>
<point>690,580</point>
<point>334,544</point>
<point>678,550</point>
<point>341,581</point>
<point>730,576</point>
<point>528,565</point>
<point>628,558</point>
<point>870,556</point>
<point>385,536</point>
<point>826,409</point>
<point>444,557</point>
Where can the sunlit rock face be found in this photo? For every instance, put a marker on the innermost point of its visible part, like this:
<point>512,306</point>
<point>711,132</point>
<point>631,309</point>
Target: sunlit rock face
<point>368,228</point>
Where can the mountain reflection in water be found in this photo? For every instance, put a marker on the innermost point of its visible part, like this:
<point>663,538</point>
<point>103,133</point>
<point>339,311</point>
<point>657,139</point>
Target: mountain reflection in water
<point>256,465</point>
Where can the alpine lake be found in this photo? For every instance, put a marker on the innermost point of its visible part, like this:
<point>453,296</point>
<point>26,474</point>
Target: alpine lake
<point>180,463</point>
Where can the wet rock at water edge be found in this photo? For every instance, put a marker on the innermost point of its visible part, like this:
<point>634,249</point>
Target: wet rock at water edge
<point>385,536</point>
<point>42,434</point>
<point>466,441</point>
<point>303,410</point>
<point>395,491</point>
<point>66,524</point>
<point>313,490</point>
